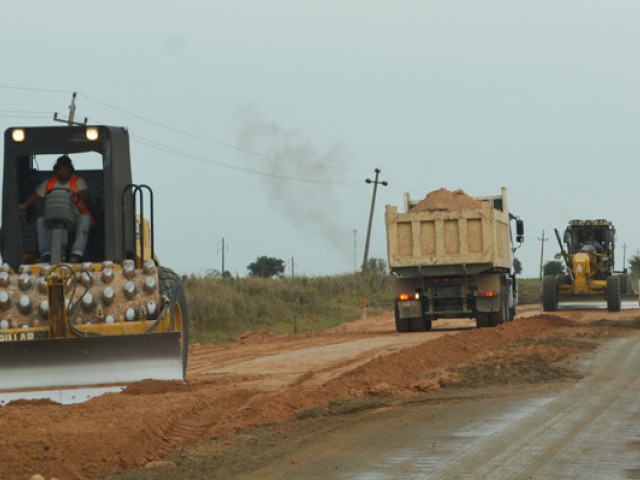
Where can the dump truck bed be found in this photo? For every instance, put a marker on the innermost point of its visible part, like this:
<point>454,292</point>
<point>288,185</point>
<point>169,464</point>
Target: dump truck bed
<point>470,240</point>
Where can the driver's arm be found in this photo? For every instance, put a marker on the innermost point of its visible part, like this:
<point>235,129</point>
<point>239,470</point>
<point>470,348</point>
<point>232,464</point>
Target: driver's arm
<point>84,195</point>
<point>82,190</point>
<point>31,199</point>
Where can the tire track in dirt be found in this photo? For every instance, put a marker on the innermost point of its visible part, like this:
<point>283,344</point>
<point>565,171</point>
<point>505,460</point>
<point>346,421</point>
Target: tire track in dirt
<point>532,447</point>
<point>260,380</point>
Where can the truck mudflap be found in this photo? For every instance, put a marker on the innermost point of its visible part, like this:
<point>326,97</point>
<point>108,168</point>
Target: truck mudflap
<point>409,309</point>
<point>89,361</point>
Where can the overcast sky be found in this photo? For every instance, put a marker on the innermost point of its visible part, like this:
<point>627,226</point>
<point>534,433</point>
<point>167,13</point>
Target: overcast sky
<point>259,121</point>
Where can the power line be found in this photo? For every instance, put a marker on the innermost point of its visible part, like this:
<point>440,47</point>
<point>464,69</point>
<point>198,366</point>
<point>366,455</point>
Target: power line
<point>24,116</point>
<point>207,160</point>
<point>25,111</point>
<point>396,182</point>
<point>217,142</point>
<point>29,89</point>
<point>178,152</point>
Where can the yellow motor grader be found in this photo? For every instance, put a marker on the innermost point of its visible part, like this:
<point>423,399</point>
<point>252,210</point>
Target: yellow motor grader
<point>590,276</point>
<point>116,317</point>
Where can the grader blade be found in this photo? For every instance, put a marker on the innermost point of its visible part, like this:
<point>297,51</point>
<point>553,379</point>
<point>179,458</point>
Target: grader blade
<point>89,361</point>
<point>576,301</point>
<point>630,301</point>
<point>596,302</point>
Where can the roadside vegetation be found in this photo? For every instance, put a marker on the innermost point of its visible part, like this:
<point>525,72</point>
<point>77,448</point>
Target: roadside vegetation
<point>223,309</point>
<point>529,290</point>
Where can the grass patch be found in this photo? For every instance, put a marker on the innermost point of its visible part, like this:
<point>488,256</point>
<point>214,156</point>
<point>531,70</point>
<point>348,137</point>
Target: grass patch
<point>221,310</point>
<point>529,291</point>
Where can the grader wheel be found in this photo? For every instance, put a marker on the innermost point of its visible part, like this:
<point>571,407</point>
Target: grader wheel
<point>550,293</point>
<point>614,300</point>
<point>626,288</point>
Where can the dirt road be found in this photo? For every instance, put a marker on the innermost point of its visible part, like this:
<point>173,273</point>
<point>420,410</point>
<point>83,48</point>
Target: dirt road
<point>273,407</point>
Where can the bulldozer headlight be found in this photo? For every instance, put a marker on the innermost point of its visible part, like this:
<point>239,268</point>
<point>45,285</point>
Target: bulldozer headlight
<point>92,134</point>
<point>579,268</point>
<point>18,135</point>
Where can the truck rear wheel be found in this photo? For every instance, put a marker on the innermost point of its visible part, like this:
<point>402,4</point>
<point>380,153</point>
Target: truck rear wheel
<point>171,288</point>
<point>614,301</point>
<point>482,320</point>
<point>550,293</point>
<point>502,315</point>
<point>420,325</point>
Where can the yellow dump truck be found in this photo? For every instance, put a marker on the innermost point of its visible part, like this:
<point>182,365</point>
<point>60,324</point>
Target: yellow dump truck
<point>453,262</point>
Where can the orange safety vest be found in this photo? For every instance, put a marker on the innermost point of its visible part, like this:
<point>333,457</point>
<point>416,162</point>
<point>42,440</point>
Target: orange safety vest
<point>77,199</point>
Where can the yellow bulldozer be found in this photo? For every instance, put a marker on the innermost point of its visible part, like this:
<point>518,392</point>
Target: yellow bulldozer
<point>590,275</point>
<point>118,316</point>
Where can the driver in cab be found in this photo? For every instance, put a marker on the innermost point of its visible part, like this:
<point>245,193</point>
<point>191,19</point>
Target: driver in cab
<point>591,245</point>
<point>64,178</point>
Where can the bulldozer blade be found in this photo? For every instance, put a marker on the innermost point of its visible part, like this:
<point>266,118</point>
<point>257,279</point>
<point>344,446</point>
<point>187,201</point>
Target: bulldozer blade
<point>89,361</point>
<point>65,396</point>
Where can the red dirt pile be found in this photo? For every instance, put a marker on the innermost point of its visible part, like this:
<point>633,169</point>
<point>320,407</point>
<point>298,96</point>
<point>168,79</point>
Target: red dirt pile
<point>234,386</point>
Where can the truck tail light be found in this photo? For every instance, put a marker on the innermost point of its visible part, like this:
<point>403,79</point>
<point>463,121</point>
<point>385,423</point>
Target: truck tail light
<point>403,297</point>
<point>447,280</point>
<point>486,293</point>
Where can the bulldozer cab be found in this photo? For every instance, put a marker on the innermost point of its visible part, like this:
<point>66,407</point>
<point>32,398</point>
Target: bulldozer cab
<point>101,157</point>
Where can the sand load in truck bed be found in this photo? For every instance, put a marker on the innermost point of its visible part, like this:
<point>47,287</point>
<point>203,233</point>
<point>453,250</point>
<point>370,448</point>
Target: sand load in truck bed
<point>446,200</point>
<point>450,228</point>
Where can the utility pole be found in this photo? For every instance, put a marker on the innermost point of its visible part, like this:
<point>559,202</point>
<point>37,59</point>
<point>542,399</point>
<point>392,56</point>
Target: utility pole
<point>71,121</point>
<point>293,273</point>
<point>355,248</point>
<point>542,240</point>
<point>624,256</point>
<point>373,203</point>
<point>222,250</point>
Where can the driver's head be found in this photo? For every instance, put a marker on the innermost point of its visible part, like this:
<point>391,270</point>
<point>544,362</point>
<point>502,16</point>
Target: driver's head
<point>63,167</point>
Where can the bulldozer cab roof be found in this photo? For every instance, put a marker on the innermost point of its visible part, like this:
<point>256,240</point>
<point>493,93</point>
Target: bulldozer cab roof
<point>100,155</point>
